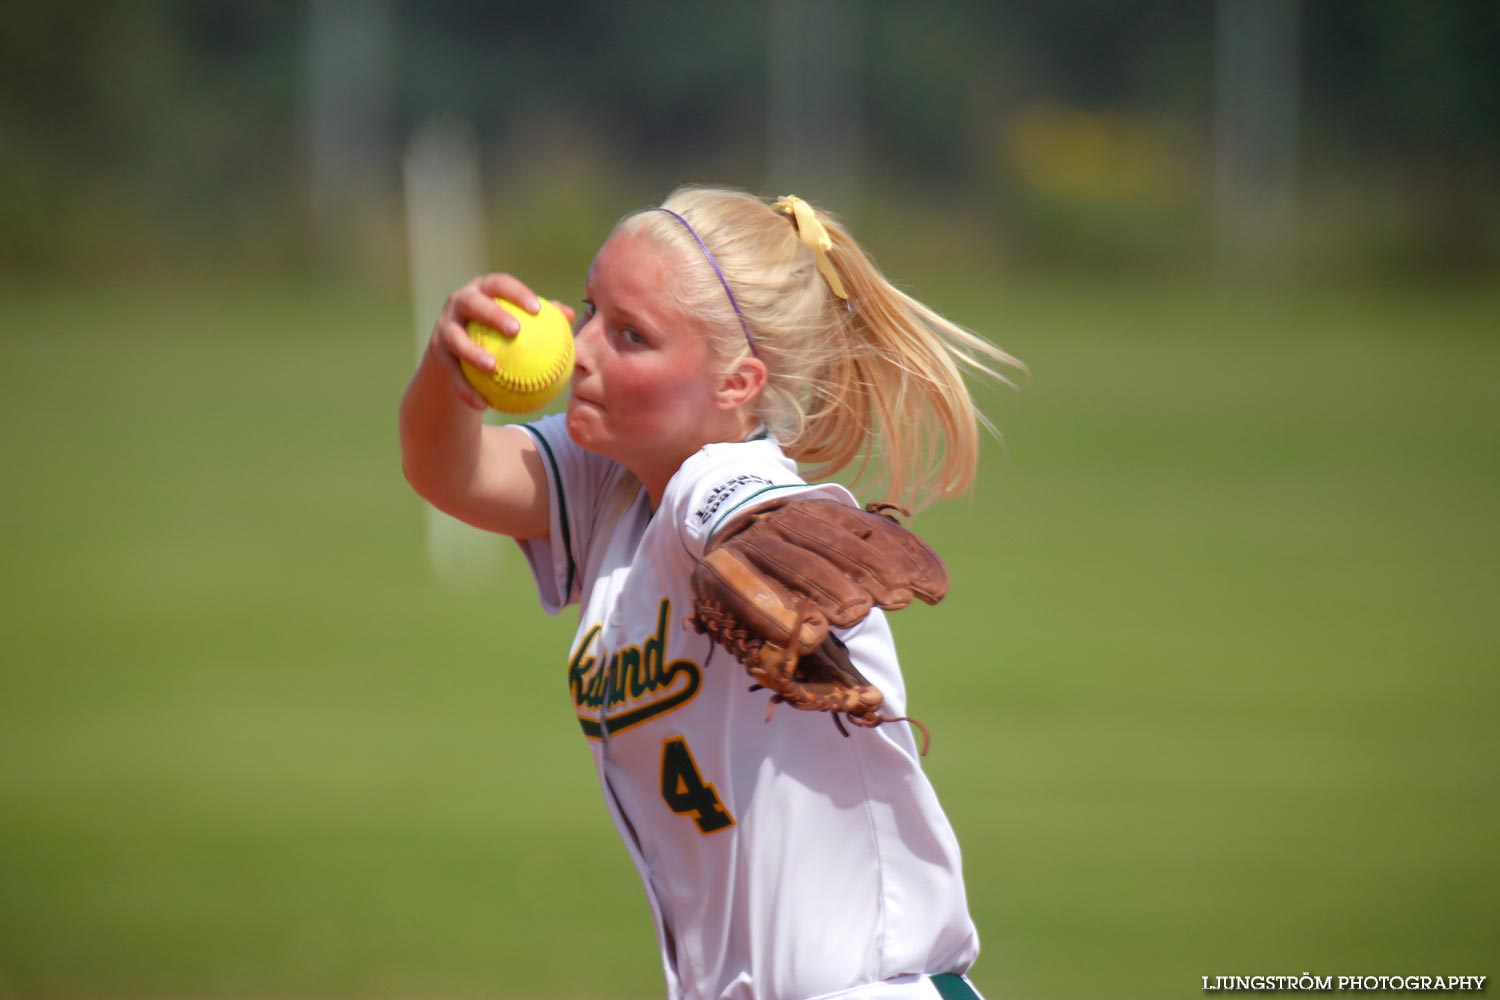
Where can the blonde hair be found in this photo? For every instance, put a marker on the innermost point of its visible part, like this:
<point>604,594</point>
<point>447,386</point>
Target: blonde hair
<point>879,380</point>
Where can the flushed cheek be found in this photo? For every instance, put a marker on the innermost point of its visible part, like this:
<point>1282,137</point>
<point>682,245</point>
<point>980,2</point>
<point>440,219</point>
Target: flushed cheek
<point>633,405</point>
<point>661,404</point>
<point>627,388</point>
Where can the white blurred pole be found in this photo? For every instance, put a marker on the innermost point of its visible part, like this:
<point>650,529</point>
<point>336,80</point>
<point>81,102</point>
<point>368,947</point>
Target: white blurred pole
<point>445,240</point>
<point>813,116</point>
<point>1256,91</point>
<point>350,58</point>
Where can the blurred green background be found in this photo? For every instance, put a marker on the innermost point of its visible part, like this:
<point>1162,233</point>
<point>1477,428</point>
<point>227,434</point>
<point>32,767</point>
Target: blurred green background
<point>1215,690</point>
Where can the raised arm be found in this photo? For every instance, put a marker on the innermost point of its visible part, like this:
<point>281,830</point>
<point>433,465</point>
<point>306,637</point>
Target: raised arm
<point>490,477</point>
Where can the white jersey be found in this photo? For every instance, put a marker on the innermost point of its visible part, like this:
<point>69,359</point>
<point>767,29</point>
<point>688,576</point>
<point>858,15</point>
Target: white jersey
<point>782,859</point>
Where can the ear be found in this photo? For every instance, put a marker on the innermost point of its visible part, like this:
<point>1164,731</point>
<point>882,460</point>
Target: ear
<point>742,385</point>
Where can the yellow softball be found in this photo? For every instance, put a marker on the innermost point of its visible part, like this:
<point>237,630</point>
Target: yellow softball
<point>531,367</point>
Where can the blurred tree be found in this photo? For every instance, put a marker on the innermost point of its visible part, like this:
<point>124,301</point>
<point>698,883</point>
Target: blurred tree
<point>173,127</point>
<point>137,132</point>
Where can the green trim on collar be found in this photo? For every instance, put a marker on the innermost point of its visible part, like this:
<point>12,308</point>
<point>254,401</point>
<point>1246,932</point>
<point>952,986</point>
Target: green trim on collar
<point>562,503</point>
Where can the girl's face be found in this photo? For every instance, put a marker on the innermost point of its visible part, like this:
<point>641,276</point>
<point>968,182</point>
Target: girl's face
<point>642,393</point>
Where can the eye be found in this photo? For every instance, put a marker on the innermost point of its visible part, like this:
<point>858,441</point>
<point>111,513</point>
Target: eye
<point>632,336</point>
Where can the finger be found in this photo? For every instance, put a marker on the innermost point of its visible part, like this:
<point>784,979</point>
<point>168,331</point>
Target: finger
<point>449,363</point>
<point>474,305</point>
<point>455,343</point>
<point>512,289</point>
<point>465,392</point>
<point>473,400</point>
<point>567,310</point>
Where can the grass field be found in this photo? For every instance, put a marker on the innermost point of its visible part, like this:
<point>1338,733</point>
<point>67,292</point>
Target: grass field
<point>1214,693</point>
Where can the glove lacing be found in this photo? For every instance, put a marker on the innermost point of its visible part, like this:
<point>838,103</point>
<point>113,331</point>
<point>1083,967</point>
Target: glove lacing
<point>863,721</point>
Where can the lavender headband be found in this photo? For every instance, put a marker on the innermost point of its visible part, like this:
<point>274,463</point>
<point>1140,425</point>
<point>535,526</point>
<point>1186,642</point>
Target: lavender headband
<point>715,265</point>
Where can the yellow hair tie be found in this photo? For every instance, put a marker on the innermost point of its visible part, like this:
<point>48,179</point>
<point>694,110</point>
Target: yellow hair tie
<point>814,235</point>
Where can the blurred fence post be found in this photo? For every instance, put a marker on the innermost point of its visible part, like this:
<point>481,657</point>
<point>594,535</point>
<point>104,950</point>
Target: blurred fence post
<point>813,115</point>
<point>350,53</point>
<point>1256,91</point>
<point>445,243</point>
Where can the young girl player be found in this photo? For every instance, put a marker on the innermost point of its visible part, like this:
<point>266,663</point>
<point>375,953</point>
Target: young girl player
<point>722,342</point>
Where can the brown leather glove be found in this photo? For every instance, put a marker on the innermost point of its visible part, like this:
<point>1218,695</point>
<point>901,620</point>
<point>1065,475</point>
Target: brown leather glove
<point>775,578</point>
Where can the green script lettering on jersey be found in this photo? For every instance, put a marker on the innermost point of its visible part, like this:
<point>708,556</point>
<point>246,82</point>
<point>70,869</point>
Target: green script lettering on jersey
<point>639,679</point>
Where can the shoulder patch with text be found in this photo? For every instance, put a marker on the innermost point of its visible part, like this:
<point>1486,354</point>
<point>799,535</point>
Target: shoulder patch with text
<point>723,492</point>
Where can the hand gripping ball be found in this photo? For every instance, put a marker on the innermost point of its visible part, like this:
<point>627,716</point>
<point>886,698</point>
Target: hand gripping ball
<point>531,367</point>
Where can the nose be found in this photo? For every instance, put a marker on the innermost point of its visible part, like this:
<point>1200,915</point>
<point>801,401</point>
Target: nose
<point>585,342</point>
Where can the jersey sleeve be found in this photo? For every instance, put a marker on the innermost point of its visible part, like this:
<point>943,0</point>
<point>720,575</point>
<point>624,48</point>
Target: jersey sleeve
<point>725,480</point>
<point>579,483</point>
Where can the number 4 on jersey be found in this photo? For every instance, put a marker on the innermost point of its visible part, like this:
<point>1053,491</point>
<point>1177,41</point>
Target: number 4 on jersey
<point>683,788</point>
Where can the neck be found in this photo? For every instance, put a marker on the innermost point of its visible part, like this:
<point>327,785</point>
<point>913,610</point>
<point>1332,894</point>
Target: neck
<point>656,470</point>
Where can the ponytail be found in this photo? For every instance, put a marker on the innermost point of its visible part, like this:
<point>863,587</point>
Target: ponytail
<point>876,377</point>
